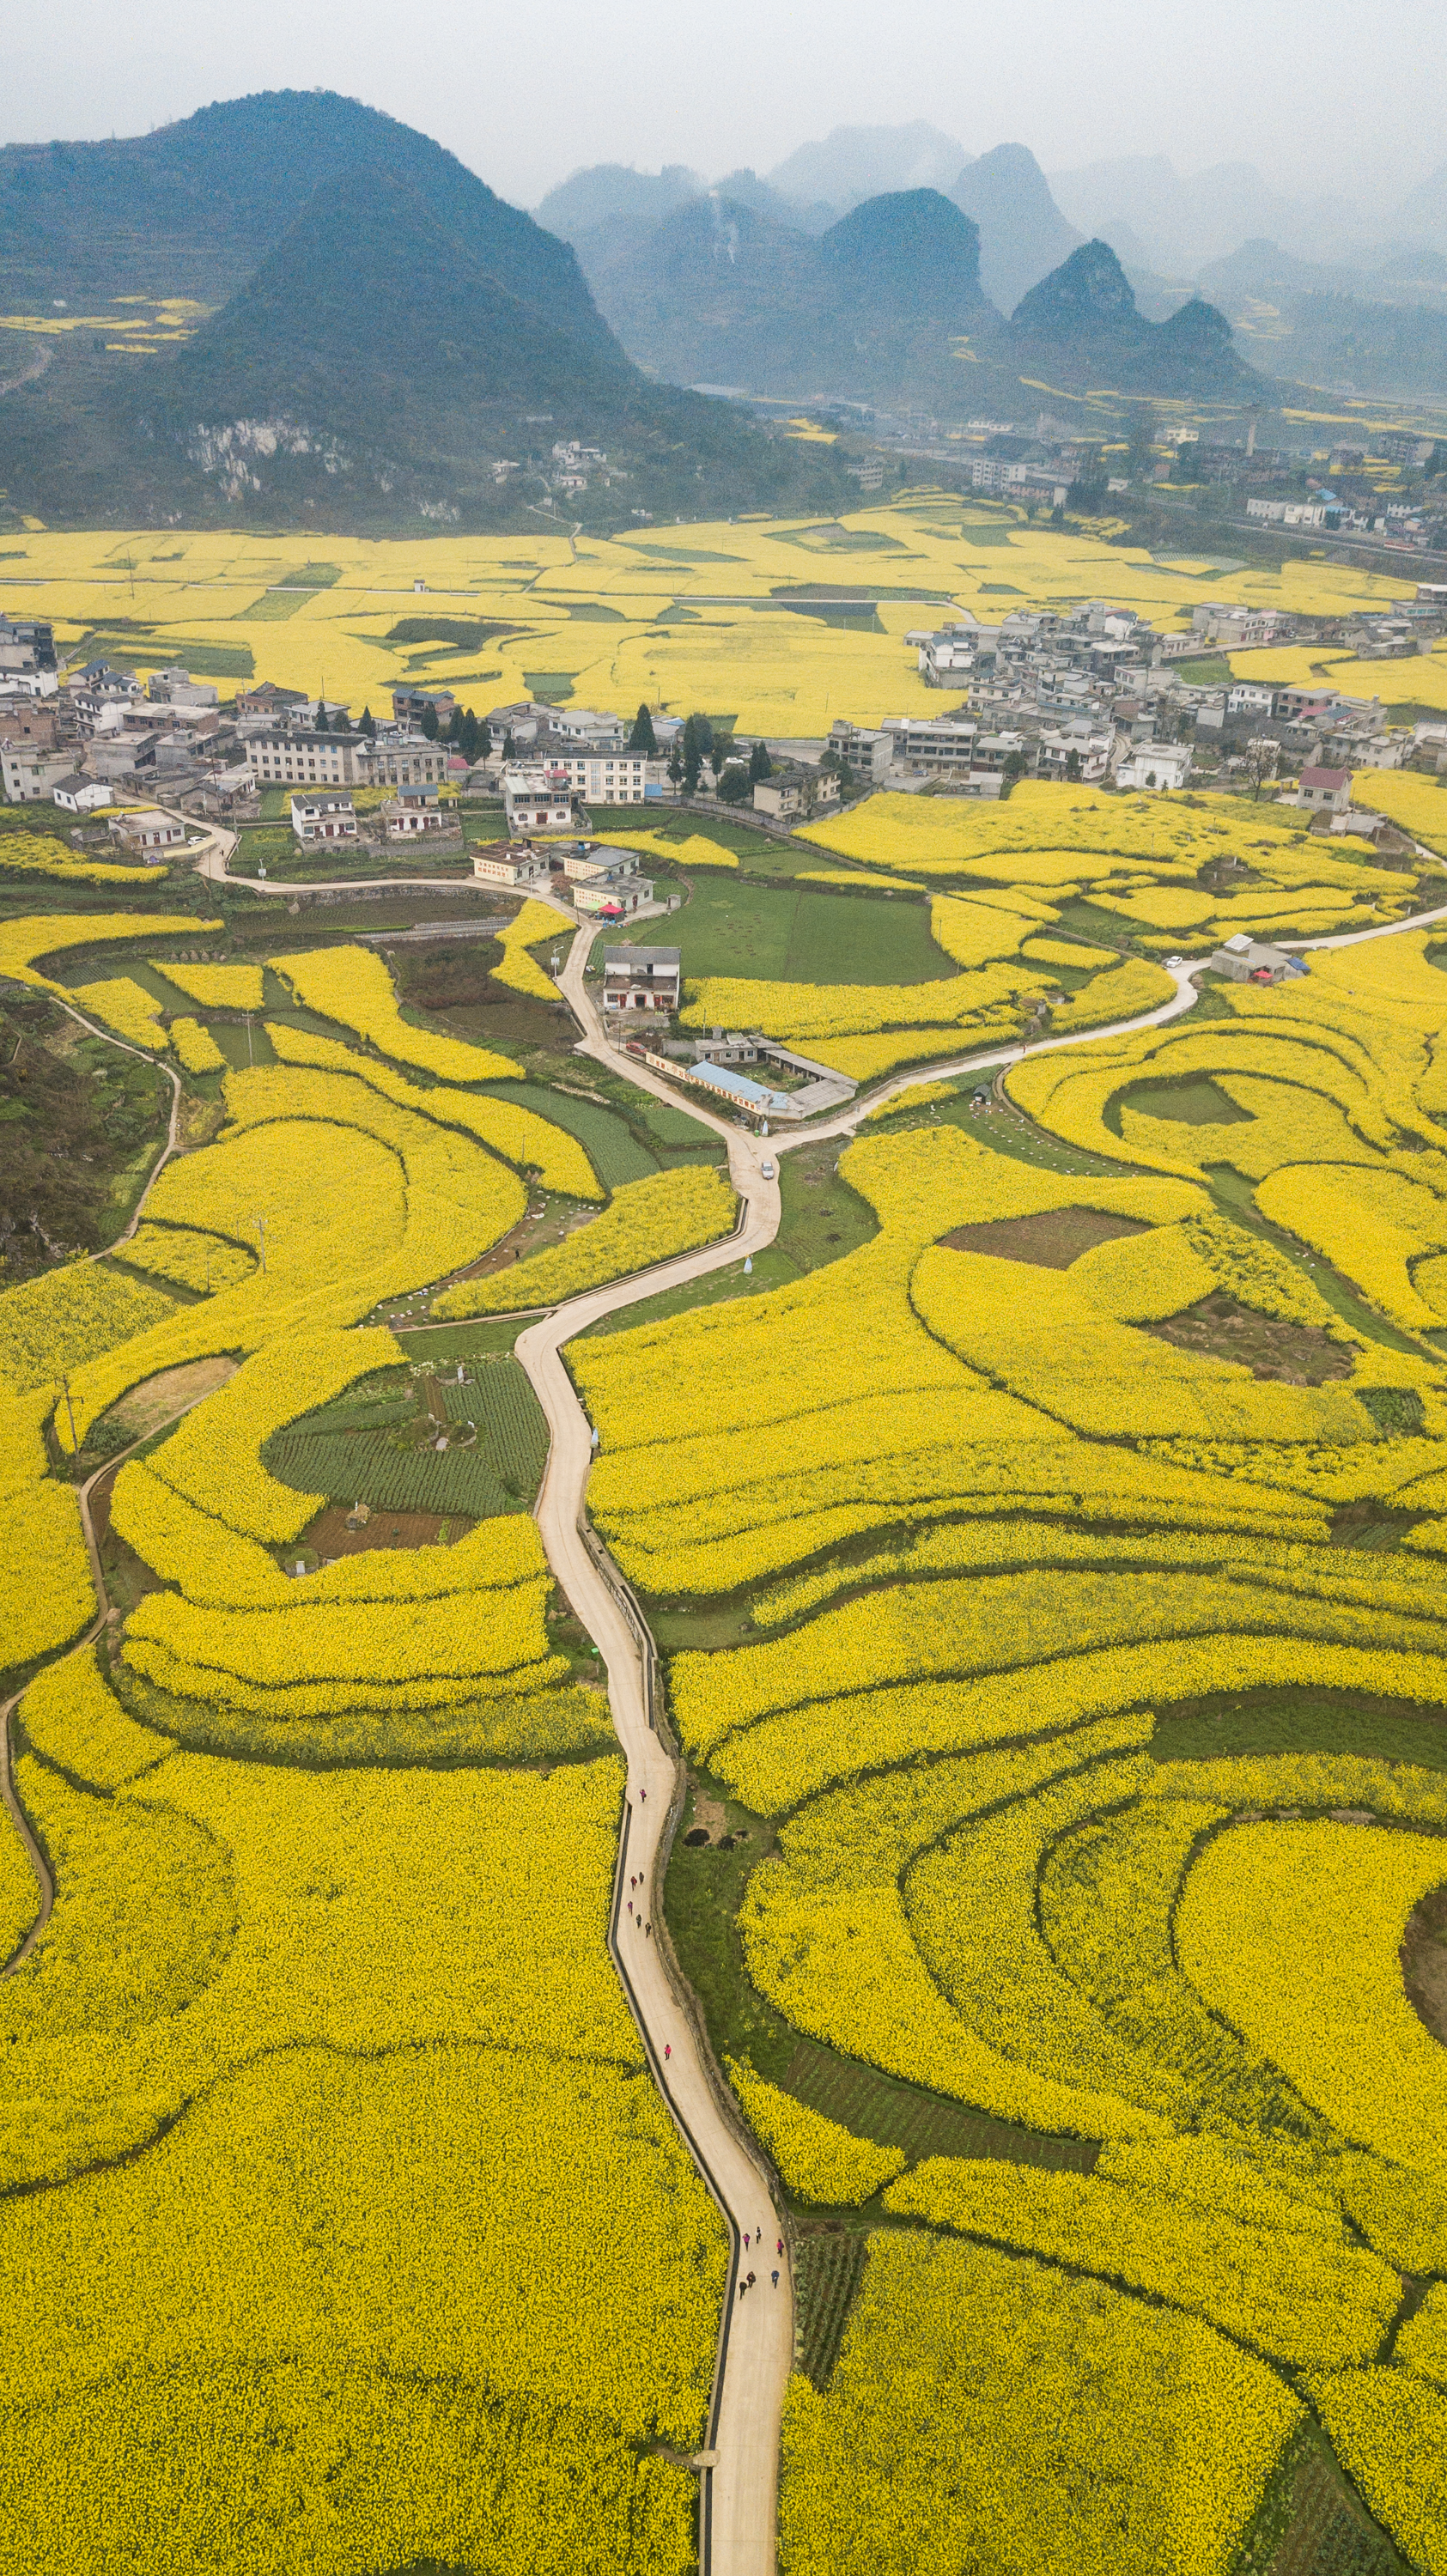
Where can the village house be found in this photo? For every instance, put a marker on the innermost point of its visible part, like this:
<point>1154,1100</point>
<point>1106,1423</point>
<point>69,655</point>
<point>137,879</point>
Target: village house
<point>31,774</point>
<point>536,797</point>
<point>176,688</point>
<point>795,791</point>
<point>1160,765</point>
<point>145,830</point>
<point>410,705</point>
<point>78,795</point>
<point>604,884</point>
<point>1325,791</point>
<point>269,704</point>
<point>1090,752</point>
<point>641,979</point>
<point>413,810</point>
<point>510,863</point>
<point>1254,961</point>
<point>323,818</point>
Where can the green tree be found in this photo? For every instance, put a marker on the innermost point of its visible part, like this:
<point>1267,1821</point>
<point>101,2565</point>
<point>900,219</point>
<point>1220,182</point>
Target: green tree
<point>430,724</point>
<point>760,765</point>
<point>694,748</point>
<point>1072,767</point>
<point>733,785</point>
<point>1014,768</point>
<point>643,738</point>
<point>675,769</point>
<point>340,721</point>
<point>367,724</point>
<point>720,753</point>
<point>1140,441</point>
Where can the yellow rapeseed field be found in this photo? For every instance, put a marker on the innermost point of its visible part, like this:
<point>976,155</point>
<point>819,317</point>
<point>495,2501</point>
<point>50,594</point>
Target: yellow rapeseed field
<point>740,648</point>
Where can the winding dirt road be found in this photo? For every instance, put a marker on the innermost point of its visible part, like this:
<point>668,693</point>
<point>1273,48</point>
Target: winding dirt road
<point>739,2465</point>
<point>738,2507</point>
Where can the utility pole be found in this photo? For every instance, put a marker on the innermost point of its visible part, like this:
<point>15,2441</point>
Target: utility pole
<point>261,1230</point>
<point>250,1052</point>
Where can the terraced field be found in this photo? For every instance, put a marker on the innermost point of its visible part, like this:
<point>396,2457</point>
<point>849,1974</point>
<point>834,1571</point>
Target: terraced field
<point>973,1538</point>
<point>1045,1561</point>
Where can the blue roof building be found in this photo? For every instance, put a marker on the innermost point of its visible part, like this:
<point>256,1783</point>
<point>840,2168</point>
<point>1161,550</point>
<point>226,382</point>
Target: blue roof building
<point>753,1096</point>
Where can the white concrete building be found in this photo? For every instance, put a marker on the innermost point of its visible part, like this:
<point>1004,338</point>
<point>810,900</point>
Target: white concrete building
<point>323,818</point>
<point>147,830</point>
<point>613,899</point>
<point>78,795</point>
<point>946,659</point>
<point>309,759</point>
<point>786,795</point>
<point>1160,765</point>
<point>536,797</point>
<point>641,979</point>
<point>599,777</point>
<point>510,863</point>
<point>31,775</point>
<point>931,742</point>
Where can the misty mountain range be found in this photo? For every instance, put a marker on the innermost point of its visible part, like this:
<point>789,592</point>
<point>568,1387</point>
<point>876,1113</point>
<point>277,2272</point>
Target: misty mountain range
<point>1315,291</point>
<point>375,338</point>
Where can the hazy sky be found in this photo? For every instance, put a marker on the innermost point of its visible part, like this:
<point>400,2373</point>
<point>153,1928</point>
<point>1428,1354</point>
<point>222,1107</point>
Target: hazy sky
<point>1335,98</point>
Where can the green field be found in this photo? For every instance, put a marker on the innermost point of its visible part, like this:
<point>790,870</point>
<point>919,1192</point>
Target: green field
<point>340,1453</point>
<point>786,934</point>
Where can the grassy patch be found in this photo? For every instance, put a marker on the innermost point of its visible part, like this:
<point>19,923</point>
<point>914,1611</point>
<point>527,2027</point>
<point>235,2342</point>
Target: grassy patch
<point>1312,2522</point>
<point>822,1217</point>
<point>1051,1240</point>
<point>609,1142</point>
<point>1301,1721</point>
<point>828,2268</point>
<point>793,934</point>
<point>1195,1102</point>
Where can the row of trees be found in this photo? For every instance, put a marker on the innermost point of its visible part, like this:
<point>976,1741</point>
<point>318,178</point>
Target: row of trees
<point>736,772</point>
<point>463,731</point>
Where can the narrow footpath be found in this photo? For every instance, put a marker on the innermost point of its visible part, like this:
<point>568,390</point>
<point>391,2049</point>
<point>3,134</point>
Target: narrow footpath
<point>739,2496</point>
<point>739,2464</point>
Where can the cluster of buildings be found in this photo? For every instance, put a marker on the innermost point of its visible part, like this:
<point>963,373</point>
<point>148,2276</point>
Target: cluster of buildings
<point>1096,692</point>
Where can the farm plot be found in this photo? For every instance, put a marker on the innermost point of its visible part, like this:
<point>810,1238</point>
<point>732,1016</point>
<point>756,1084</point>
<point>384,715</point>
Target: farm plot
<point>963,1519</point>
<point>263,2075</point>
